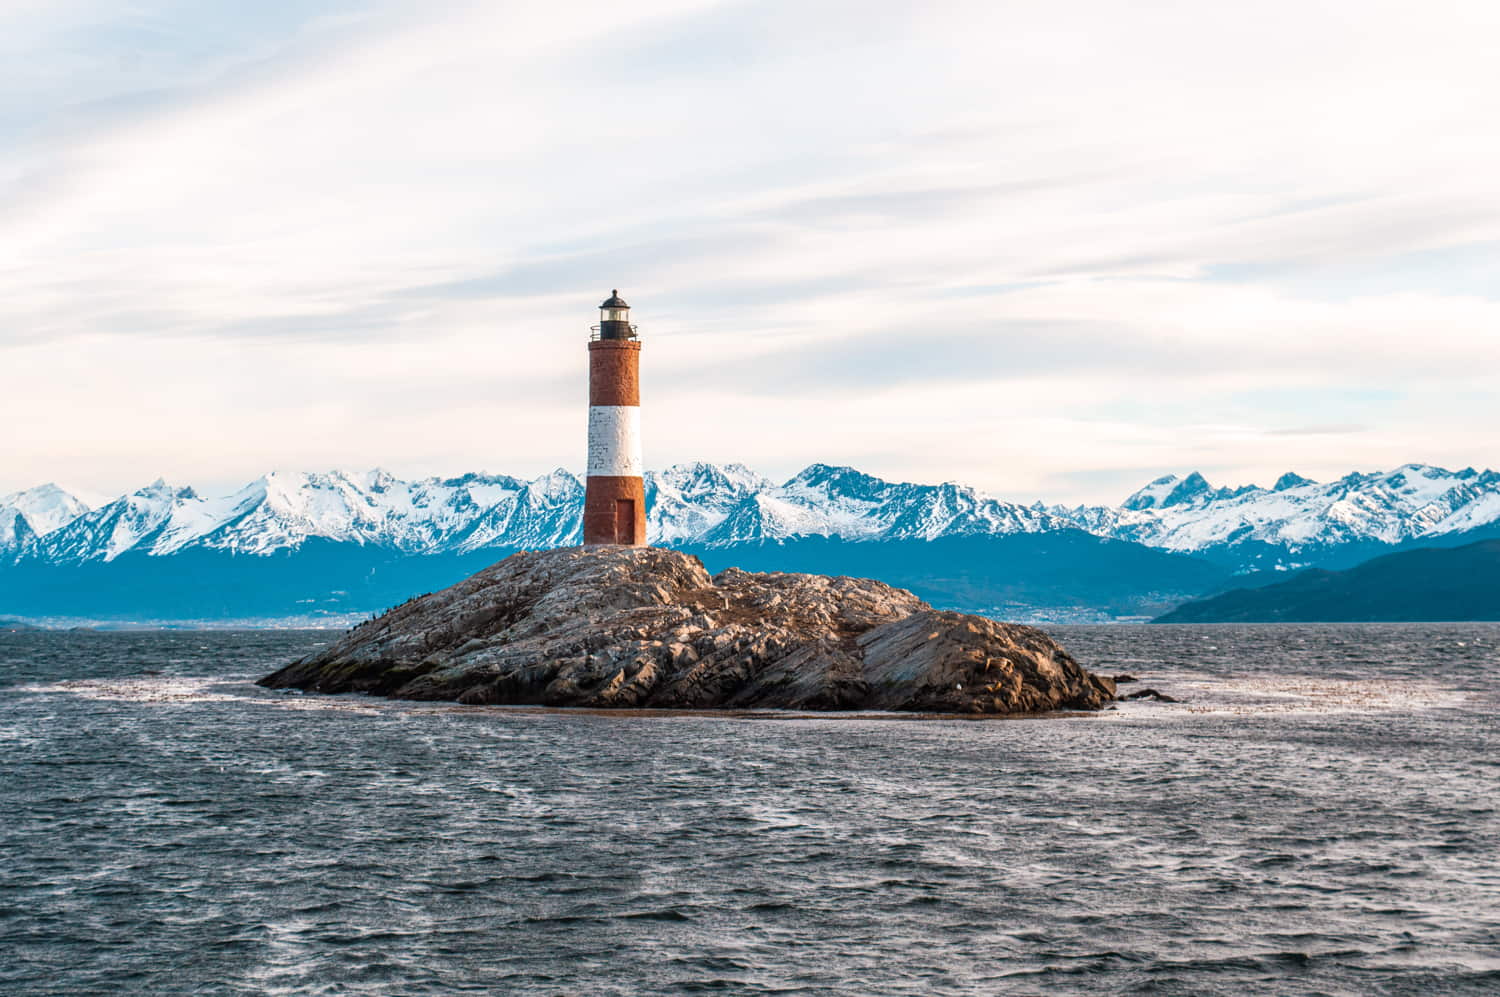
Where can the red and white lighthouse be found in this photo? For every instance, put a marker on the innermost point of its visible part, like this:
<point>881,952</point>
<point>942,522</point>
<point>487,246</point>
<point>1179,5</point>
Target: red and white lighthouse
<point>614,505</point>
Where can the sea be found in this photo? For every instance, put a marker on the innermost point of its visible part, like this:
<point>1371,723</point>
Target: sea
<point>1315,815</point>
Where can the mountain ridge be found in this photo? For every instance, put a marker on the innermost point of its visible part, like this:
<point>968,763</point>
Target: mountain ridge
<point>1299,522</point>
<point>332,546</point>
<point>1293,524</point>
<point>1425,585</point>
<point>698,502</point>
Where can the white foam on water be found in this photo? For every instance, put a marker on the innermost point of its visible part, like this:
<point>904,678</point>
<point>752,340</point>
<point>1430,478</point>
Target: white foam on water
<point>1284,694</point>
<point>168,689</point>
<point>321,703</point>
<point>191,689</point>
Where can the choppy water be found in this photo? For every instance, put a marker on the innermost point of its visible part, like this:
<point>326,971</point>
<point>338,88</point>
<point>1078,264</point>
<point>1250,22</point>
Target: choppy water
<point>1319,816</point>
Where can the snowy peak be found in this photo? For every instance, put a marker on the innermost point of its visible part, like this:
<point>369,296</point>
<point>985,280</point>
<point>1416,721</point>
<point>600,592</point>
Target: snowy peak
<point>687,502</point>
<point>36,512</point>
<point>560,484</point>
<point>1300,515</point>
<point>843,482</point>
<point>1163,493</point>
<point>127,522</point>
<point>1152,495</point>
<point>700,478</point>
<point>1190,489</point>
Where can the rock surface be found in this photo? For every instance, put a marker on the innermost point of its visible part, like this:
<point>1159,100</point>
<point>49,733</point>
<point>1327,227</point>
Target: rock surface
<point>649,628</point>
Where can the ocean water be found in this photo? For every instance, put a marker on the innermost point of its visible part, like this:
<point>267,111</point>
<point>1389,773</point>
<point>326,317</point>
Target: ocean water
<point>1318,815</point>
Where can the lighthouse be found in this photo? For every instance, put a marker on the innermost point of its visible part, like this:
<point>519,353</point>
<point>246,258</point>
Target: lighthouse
<point>614,505</point>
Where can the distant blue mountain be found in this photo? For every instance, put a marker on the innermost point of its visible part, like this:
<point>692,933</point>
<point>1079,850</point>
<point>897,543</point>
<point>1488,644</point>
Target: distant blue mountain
<point>1063,575</point>
<point>338,544</point>
<point>1426,585</point>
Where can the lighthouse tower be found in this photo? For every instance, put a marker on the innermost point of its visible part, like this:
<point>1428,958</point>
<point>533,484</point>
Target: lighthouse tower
<point>614,505</point>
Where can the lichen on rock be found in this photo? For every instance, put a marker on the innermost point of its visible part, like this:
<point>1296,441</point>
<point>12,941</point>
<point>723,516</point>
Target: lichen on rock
<point>649,628</point>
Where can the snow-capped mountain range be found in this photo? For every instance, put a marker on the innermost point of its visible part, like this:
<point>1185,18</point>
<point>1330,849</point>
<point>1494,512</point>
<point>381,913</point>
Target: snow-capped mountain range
<point>1296,520</point>
<point>710,505</point>
<point>688,503</point>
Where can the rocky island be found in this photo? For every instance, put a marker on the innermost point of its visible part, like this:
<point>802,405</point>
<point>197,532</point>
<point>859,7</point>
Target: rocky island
<point>649,628</point>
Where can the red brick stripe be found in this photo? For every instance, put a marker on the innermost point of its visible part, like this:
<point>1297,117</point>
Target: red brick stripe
<point>614,372</point>
<point>599,508</point>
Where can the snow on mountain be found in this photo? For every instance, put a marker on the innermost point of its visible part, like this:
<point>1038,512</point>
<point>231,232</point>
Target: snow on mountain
<point>724,505</point>
<point>15,531</point>
<point>547,512</point>
<point>36,512</point>
<point>688,503</point>
<point>128,522</point>
<point>1297,514</point>
<point>282,510</point>
<point>841,502</point>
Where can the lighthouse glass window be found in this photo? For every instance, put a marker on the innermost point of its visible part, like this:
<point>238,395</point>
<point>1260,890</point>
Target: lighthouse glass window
<point>614,314</point>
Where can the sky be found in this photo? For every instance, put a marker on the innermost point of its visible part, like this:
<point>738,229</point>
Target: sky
<point>1050,249</point>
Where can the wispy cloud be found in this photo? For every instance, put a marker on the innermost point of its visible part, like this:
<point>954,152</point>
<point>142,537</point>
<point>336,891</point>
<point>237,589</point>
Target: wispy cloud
<point>1029,245</point>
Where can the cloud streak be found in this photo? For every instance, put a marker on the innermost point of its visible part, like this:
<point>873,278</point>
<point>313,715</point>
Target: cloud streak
<point>1010,244</point>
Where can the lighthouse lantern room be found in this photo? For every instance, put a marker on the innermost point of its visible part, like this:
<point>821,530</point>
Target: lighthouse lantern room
<point>614,508</point>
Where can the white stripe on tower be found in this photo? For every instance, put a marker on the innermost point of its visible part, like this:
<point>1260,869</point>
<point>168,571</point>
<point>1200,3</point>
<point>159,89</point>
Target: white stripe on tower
<point>615,441</point>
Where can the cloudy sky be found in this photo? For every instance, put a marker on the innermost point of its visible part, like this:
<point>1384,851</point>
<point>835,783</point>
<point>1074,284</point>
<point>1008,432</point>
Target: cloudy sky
<point>1051,248</point>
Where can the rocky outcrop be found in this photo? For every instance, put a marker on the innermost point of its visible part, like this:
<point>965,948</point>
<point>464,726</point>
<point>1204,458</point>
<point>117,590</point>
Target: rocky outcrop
<point>649,628</point>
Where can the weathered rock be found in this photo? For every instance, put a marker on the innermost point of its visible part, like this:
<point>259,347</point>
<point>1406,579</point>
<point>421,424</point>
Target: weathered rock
<point>648,628</point>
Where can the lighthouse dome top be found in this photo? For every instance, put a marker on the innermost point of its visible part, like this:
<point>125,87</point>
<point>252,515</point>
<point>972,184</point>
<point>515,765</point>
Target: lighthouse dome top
<point>614,320</point>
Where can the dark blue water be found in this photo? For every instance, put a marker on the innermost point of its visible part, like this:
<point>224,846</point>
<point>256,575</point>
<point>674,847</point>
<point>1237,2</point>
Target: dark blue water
<point>1319,816</point>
